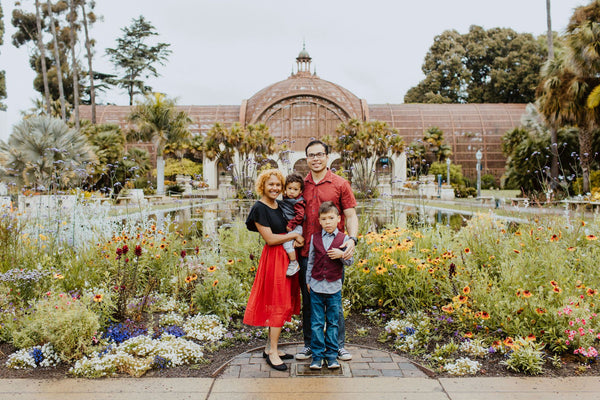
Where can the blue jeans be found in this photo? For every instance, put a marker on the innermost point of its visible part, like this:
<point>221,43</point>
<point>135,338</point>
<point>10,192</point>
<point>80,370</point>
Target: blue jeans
<point>306,325</point>
<point>325,308</point>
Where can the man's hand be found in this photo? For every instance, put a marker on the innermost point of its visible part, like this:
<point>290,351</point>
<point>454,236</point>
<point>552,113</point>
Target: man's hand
<point>349,252</point>
<point>335,253</point>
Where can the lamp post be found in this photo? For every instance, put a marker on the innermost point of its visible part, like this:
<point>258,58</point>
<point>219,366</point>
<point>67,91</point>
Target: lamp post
<point>448,171</point>
<point>478,156</point>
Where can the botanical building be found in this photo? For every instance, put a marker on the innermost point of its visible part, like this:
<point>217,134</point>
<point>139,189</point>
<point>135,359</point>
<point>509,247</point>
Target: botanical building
<point>304,106</point>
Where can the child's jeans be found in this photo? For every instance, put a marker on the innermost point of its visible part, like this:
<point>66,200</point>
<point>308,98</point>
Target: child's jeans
<point>325,308</point>
<point>289,245</point>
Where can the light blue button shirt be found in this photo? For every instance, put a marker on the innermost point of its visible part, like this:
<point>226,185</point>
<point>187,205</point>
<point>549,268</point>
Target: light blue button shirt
<point>324,286</point>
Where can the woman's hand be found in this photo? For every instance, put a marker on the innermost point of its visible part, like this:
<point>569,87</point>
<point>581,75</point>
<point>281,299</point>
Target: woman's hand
<point>298,240</point>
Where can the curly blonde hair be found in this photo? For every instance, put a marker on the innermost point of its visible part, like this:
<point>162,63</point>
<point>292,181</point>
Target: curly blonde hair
<point>264,176</point>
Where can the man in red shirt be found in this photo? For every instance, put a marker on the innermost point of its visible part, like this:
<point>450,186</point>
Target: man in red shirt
<point>322,185</point>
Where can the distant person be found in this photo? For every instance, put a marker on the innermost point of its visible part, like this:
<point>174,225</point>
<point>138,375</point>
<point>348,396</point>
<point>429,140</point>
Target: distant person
<point>274,297</point>
<point>322,185</point>
<point>292,206</point>
<point>324,283</point>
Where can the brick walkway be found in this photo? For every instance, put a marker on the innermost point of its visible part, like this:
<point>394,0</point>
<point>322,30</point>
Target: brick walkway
<point>365,362</point>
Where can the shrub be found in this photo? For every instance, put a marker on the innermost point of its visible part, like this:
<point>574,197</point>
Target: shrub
<point>526,356</point>
<point>61,320</point>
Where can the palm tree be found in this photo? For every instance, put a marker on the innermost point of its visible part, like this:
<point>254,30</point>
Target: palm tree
<point>553,128</point>
<point>44,153</point>
<point>88,48</point>
<point>72,17</point>
<point>158,117</point>
<point>582,37</point>
<point>239,150</point>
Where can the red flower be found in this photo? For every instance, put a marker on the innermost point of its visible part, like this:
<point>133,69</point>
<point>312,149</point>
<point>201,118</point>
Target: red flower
<point>183,253</point>
<point>138,250</point>
<point>125,249</point>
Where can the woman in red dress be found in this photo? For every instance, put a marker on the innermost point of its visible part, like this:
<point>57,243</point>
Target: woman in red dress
<point>274,297</point>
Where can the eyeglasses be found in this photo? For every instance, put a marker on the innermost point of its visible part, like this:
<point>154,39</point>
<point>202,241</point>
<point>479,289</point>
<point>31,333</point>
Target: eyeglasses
<point>316,155</point>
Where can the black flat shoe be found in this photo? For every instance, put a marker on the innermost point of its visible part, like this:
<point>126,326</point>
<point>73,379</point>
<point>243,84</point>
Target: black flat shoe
<point>278,367</point>
<point>286,356</point>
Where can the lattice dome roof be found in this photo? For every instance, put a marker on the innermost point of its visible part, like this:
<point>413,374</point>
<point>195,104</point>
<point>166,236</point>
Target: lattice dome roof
<point>302,84</point>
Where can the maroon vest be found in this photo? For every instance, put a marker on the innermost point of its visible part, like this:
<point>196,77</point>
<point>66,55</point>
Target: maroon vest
<point>324,268</point>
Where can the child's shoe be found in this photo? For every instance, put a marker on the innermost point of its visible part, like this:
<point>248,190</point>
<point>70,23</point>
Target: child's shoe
<point>316,364</point>
<point>333,364</point>
<point>293,268</point>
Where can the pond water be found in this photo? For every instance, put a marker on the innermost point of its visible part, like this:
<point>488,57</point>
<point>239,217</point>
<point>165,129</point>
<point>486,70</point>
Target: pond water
<point>208,216</point>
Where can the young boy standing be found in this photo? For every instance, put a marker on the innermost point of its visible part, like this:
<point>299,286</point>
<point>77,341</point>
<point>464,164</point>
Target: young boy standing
<point>292,206</point>
<point>324,282</point>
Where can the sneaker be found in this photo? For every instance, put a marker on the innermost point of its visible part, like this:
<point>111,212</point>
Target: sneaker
<point>293,268</point>
<point>333,364</point>
<point>304,354</point>
<point>343,355</point>
<point>316,364</point>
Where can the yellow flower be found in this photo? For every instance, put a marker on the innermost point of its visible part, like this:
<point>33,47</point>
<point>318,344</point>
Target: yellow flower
<point>98,298</point>
<point>366,270</point>
<point>381,269</point>
<point>58,276</point>
<point>215,283</point>
<point>212,268</point>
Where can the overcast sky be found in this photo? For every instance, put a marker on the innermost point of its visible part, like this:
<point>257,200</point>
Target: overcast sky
<point>227,50</point>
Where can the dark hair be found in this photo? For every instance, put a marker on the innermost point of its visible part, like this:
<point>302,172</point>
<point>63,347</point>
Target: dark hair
<point>294,178</point>
<point>313,142</point>
<point>327,207</point>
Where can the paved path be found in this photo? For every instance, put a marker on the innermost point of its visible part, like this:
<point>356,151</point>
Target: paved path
<point>308,388</point>
<point>372,374</point>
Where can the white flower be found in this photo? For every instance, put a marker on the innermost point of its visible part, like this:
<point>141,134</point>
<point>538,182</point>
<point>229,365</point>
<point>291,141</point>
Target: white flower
<point>204,328</point>
<point>462,366</point>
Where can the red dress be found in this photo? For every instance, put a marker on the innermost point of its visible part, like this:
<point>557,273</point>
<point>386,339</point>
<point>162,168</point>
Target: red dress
<point>274,297</point>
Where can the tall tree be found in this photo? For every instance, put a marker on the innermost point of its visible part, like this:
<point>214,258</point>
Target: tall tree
<point>88,49</point>
<point>158,118</point>
<point>2,73</point>
<point>497,65</point>
<point>61,89</point>
<point>42,50</point>
<point>135,59</point>
<point>72,17</point>
<point>361,145</point>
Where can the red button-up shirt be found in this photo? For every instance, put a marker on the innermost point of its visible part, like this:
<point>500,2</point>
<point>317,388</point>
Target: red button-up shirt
<point>331,188</point>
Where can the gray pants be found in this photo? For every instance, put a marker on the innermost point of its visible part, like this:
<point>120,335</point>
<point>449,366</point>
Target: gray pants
<point>289,245</point>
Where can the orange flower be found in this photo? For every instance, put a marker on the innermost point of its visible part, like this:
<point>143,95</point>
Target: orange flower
<point>530,337</point>
<point>516,251</point>
<point>554,238</point>
<point>462,299</point>
<point>448,309</point>
<point>554,283</point>
<point>556,289</point>
<point>591,237</point>
<point>466,290</point>
<point>526,293</point>
<point>517,233</point>
<point>188,279</point>
<point>216,282</point>
<point>212,268</point>
<point>540,311</point>
<point>467,250</point>
<point>401,266</point>
<point>194,277</point>
<point>469,335</point>
<point>58,276</point>
<point>162,245</point>
<point>485,315</point>
<point>508,342</point>
<point>366,270</point>
<point>591,292</point>
<point>518,292</point>
<point>98,298</point>
<point>230,262</point>
<point>571,248</point>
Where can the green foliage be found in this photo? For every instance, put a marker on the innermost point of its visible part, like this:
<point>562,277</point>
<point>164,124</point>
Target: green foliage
<point>456,176</point>
<point>488,181</point>
<point>135,59</point>
<point>61,320</point>
<point>497,65</point>
<point>2,74</point>
<point>594,182</point>
<point>360,145</point>
<point>182,166</point>
<point>527,357</point>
